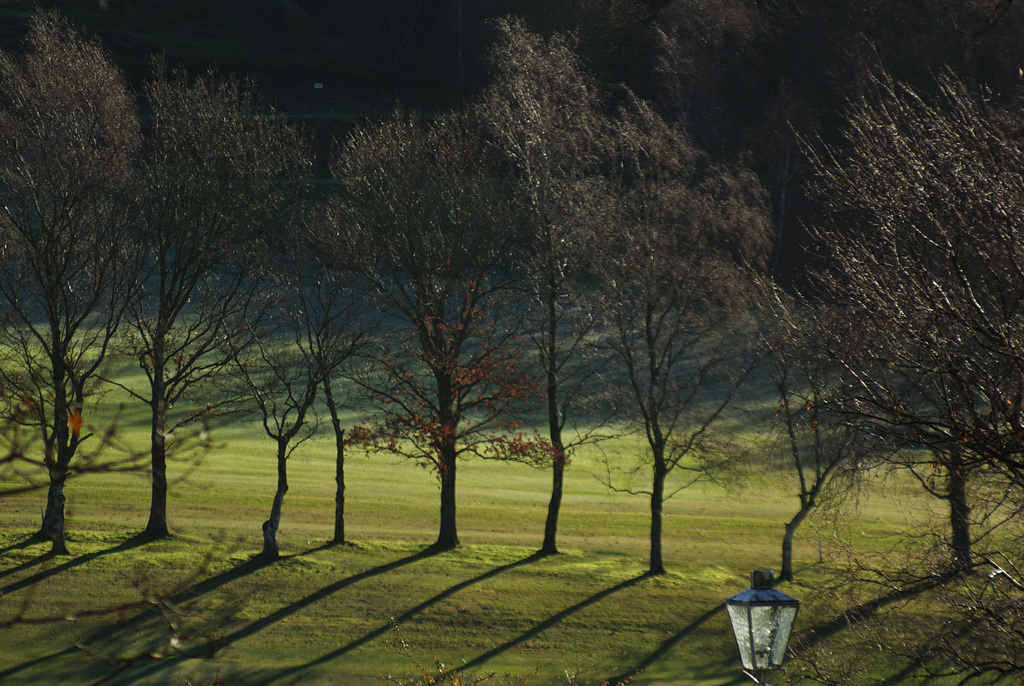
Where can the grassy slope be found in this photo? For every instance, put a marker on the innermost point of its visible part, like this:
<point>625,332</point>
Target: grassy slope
<point>323,613</point>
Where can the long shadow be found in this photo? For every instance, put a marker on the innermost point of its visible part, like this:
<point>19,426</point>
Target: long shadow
<point>325,592</point>
<point>404,617</point>
<point>918,662</point>
<point>214,582</point>
<point>662,650</point>
<point>550,622</point>
<point>28,540</point>
<point>864,611</point>
<point>27,564</point>
<point>127,544</point>
<point>903,674</point>
<point>282,613</point>
<point>28,664</point>
<point>106,632</point>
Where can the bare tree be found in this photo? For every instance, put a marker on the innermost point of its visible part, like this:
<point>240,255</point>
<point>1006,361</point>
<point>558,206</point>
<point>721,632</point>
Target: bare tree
<point>220,173</point>
<point>278,363</point>
<point>69,137</point>
<point>932,285</point>
<point>825,452</point>
<point>315,326</point>
<point>448,380</point>
<point>545,115</point>
<point>923,241</point>
<point>332,293</point>
<point>677,275</point>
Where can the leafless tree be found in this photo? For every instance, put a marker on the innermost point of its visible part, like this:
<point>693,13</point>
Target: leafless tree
<point>315,325</point>
<point>931,281</point>
<point>923,240</point>
<point>69,139</point>
<point>545,114</point>
<point>677,275</point>
<point>220,173</point>
<point>825,453</point>
<point>332,292</point>
<point>277,362</point>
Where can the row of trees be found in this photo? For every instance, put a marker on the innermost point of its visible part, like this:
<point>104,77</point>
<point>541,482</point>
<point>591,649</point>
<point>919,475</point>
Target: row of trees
<point>441,274</point>
<point>81,279</point>
<point>473,272</point>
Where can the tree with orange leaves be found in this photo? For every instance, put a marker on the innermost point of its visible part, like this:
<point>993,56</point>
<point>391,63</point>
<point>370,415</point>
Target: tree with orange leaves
<point>434,244</point>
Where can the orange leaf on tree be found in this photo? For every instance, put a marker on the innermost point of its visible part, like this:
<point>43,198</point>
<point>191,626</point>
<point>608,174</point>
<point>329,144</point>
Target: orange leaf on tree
<point>75,422</point>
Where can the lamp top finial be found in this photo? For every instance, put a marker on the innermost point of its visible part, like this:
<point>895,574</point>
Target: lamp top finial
<point>762,579</point>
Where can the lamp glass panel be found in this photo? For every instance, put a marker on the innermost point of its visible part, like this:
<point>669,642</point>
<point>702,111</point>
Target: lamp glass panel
<point>771,634</point>
<point>740,618</point>
<point>762,633</point>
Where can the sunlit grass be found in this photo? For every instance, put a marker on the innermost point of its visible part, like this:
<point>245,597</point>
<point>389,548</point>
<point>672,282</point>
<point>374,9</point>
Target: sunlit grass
<point>339,614</point>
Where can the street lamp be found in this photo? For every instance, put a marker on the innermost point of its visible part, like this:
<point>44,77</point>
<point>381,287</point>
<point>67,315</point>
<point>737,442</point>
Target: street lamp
<point>761,620</point>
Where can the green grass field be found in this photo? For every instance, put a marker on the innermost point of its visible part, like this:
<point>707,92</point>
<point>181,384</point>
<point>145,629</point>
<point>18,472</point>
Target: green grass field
<point>341,614</point>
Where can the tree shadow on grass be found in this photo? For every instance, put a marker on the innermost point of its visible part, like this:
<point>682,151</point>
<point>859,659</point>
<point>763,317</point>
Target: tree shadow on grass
<point>550,622</point>
<point>324,592</point>
<point>284,612</point>
<point>132,624</point>
<point>404,617</point>
<point>667,645</point>
<point>127,544</point>
<point>27,541</point>
<point>27,564</point>
<point>865,611</point>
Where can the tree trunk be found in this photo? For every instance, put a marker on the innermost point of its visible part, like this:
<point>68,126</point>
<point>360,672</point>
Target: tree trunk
<point>447,536</point>
<point>959,515</point>
<point>339,478</point>
<point>58,454</point>
<point>48,514</point>
<point>787,543</point>
<point>550,546</point>
<point>53,520</point>
<point>156,527</point>
<point>270,527</point>
<point>339,462</point>
<point>657,506</point>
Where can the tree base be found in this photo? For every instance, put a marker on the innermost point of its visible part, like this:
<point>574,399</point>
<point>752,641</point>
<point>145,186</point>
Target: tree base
<point>266,556</point>
<point>157,533</point>
<point>440,545</point>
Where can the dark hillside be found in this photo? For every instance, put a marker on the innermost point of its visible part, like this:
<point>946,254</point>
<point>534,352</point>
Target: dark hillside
<point>286,51</point>
<point>367,54</point>
<point>751,80</point>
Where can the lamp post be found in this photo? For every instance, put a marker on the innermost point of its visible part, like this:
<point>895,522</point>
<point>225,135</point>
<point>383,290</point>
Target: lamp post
<point>762,619</point>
